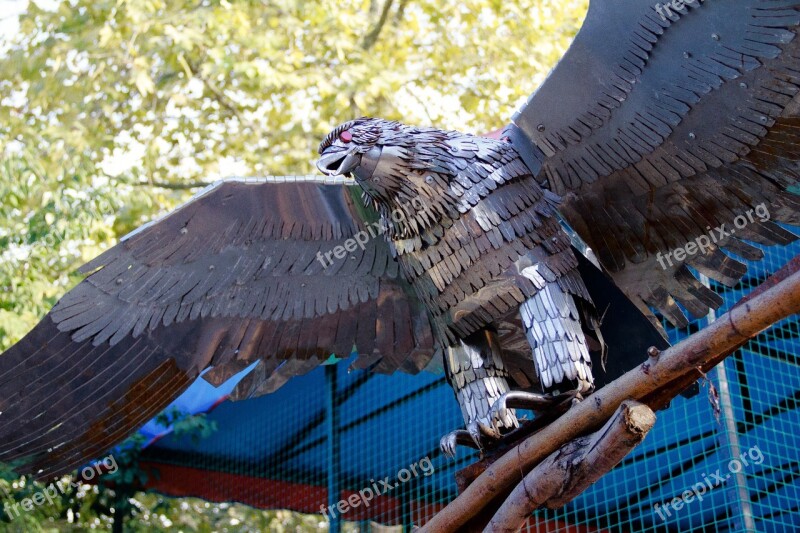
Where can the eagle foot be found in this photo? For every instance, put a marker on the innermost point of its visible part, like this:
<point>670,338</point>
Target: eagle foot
<point>478,434</point>
<point>519,400</point>
<point>530,400</point>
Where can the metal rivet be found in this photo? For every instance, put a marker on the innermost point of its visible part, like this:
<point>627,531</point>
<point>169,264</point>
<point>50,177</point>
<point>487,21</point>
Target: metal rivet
<point>376,179</point>
<point>743,85</point>
<point>429,179</point>
<point>715,36</point>
<point>763,119</point>
<point>184,231</point>
<point>119,281</point>
<point>540,127</point>
<point>692,135</point>
<point>687,55</point>
<point>211,267</point>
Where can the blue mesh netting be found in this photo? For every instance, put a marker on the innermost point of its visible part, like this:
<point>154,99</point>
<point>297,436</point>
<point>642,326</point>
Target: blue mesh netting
<point>274,451</point>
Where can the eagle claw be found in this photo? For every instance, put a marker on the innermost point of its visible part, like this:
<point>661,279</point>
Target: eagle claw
<point>477,433</point>
<point>449,442</point>
<point>501,412</point>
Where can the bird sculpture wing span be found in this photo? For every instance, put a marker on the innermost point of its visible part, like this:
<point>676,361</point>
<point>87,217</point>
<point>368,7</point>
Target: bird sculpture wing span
<point>231,277</point>
<point>672,141</point>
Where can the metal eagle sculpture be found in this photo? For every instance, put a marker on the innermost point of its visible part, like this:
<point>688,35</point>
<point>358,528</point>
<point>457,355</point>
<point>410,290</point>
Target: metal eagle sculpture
<point>644,148</point>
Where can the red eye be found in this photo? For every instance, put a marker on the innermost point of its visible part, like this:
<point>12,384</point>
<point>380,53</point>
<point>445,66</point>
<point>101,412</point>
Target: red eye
<point>346,136</point>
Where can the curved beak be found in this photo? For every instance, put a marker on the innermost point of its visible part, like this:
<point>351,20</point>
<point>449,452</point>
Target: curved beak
<point>337,161</point>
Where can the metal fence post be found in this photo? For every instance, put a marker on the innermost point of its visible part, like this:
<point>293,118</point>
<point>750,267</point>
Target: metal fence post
<point>334,456</point>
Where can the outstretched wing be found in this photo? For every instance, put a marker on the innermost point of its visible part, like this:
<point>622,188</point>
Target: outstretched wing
<point>242,272</point>
<point>673,139</point>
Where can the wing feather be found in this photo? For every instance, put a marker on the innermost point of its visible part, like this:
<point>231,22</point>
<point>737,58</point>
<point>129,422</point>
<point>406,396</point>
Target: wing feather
<point>230,278</point>
<point>693,121</point>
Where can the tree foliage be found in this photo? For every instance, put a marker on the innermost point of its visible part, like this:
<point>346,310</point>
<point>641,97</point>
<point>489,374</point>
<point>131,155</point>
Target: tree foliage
<point>112,111</point>
<point>108,109</point>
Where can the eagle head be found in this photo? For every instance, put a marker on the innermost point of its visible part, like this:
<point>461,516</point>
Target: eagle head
<point>391,163</point>
<point>362,147</point>
<point>342,149</point>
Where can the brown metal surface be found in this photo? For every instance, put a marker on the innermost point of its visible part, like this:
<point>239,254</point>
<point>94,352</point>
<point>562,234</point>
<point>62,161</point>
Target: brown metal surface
<point>231,278</point>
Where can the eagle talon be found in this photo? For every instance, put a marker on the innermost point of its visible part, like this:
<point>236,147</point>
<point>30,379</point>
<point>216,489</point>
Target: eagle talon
<point>482,427</point>
<point>477,434</point>
<point>501,415</point>
<point>448,445</point>
<point>449,442</point>
<point>502,410</point>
